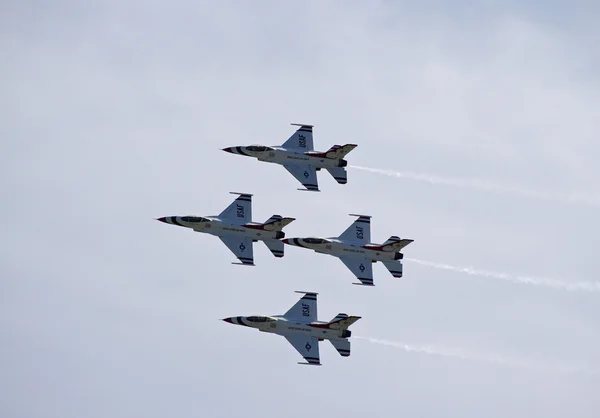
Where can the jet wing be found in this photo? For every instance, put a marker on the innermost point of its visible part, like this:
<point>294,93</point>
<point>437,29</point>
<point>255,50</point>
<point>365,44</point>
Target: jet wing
<point>301,140</point>
<point>239,211</point>
<point>362,269</point>
<point>359,231</point>
<point>307,346</point>
<point>305,174</point>
<point>305,309</point>
<point>241,247</point>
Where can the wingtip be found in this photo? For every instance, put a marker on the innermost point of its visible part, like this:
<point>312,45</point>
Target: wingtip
<point>242,194</point>
<point>358,214</point>
<point>303,291</point>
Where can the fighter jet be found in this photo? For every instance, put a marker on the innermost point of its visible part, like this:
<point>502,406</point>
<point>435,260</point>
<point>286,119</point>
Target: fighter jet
<point>297,155</point>
<point>356,251</point>
<point>300,327</point>
<point>235,228</point>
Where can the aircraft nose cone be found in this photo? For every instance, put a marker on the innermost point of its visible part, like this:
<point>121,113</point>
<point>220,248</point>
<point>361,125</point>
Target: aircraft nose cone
<point>228,149</point>
<point>162,219</point>
<point>227,320</point>
<point>286,241</point>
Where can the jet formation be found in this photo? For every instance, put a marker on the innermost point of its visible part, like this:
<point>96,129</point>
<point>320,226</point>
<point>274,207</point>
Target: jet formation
<point>235,228</point>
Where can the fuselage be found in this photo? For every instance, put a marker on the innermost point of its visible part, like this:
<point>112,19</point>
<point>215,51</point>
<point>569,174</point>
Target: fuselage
<point>285,326</point>
<point>338,248</point>
<point>284,156</point>
<point>218,227</point>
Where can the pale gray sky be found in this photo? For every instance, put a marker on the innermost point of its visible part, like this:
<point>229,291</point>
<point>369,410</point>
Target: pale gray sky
<point>114,114</point>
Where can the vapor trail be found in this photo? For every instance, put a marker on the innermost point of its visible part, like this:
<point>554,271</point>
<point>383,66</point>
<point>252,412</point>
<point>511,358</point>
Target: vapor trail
<point>477,357</point>
<point>482,185</point>
<point>536,281</point>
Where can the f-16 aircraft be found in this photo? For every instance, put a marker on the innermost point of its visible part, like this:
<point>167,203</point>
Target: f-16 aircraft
<point>297,155</point>
<point>356,251</point>
<point>300,327</point>
<point>235,228</point>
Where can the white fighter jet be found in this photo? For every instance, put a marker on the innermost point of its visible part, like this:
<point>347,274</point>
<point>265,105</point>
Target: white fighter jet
<point>235,228</point>
<point>356,251</point>
<point>297,155</point>
<point>300,327</point>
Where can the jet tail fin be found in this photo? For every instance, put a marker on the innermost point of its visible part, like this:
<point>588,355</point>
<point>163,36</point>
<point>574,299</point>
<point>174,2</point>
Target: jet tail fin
<point>342,321</point>
<point>277,223</point>
<point>394,243</point>
<point>275,246</point>
<point>339,151</point>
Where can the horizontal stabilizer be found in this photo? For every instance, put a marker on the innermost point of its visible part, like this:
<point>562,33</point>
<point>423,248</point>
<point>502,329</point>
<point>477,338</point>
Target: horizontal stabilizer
<point>339,174</point>
<point>275,246</point>
<point>342,346</point>
<point>395,267</point>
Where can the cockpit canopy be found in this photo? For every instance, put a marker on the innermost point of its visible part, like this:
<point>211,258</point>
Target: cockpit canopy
<point>193,219</point>
<point>316,241</point>
<point>259,148</point>
<point>259,319</point>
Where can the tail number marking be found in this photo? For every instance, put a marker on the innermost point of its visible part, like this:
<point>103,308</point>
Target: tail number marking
<point>305,309</point>
<point>359,232</point>
<point>240,211</point>
<point>301,141</point>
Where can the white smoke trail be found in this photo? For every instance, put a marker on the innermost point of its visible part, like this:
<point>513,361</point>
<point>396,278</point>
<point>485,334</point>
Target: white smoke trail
<point>482,185</point>
<point>485,358</point>
<point>536,281</point>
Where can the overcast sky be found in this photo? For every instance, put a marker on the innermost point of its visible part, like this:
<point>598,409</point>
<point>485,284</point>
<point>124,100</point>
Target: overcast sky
<point>114,114</point>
